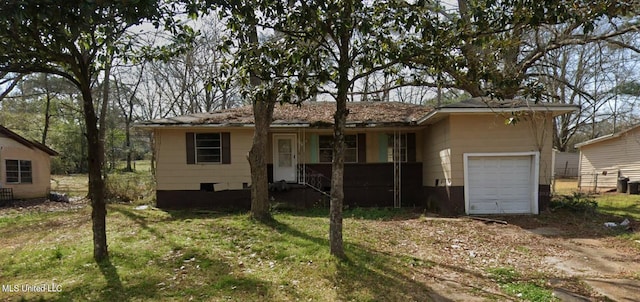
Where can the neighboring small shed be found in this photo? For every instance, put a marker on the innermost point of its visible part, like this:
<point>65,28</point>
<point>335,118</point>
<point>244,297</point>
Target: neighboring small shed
<point>25,166</point>
<point>604,159</point>
<point>565,164</point>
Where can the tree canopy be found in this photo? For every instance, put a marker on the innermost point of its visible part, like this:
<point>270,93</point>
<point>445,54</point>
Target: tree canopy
<point>77,40</point>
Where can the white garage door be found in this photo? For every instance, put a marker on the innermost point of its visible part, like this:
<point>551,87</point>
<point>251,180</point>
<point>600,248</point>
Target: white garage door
<point>500,185</point>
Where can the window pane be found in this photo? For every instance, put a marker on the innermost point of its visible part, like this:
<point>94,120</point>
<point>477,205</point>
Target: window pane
<point>325,155</point>
<point>211,140</point>
<point>12,177</point>
<point>351,141</point>
<point>209,155</point>
<point>351,155</point>
<point>25,171</point>
<point>12,165</point>
<point>25,165</point>
<point>284,160</point>
<point>325,141</point>
<point>26,178</point>
<point>284,146</point>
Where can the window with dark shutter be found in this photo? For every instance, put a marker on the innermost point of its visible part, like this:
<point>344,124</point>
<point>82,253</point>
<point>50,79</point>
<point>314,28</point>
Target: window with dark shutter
<point>325,148</point>
<point>208,148</point>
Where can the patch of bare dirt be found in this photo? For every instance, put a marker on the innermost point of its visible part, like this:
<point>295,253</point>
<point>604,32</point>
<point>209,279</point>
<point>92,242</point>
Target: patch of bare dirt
<point>454,257</point>
<point>590,253</point>
<point>42,205</point>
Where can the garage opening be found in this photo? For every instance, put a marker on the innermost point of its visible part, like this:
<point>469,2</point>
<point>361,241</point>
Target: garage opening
<point>501,183</point>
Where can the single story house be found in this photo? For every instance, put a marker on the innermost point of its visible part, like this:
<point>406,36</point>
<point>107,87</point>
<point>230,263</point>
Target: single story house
<point>604,159</point>
<point>459,158</point>
<point>25,166</point>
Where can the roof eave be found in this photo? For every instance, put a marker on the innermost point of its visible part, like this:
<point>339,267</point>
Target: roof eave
<point>27,143</point>
<point>596,140</point>
<point>277,125</point>
<point>556,110</point>
<point>605,137</point>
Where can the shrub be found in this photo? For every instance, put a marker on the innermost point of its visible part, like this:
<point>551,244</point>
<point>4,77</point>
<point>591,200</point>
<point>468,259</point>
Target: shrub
<point>130,187</point>
<point>577,202</point>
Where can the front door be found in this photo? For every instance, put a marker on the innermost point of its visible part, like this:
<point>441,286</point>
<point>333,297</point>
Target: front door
<point>284,157</point>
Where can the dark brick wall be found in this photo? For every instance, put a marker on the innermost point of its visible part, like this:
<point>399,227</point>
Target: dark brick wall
<point>185,199</point>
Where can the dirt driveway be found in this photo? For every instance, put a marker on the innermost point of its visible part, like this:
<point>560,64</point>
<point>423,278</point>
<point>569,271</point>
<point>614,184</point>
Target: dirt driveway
<point>588,252</point>
<point>610,267</point>
<point>576,255</point>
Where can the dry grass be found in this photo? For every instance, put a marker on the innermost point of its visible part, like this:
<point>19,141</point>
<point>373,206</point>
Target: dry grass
<point>72,185</point>
<point>565,186</point>
<point>160,255</point>
<point>208,256</point>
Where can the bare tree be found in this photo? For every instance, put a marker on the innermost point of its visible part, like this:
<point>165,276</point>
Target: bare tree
<point>203,78</point>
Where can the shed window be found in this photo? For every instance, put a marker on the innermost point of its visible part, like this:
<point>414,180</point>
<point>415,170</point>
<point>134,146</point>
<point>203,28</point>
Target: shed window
<point>325,148</point>
<point>19,171</point>
<point>208,147</point>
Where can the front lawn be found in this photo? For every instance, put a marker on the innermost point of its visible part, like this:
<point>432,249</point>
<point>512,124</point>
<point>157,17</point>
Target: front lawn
<point>208,256</point>
<point>624,205</point>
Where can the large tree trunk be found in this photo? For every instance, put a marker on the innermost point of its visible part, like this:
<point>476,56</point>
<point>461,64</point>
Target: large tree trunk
<point>262,112</point>
<point>337,178</point>
<point>96,182</point>
<point>340,120</point>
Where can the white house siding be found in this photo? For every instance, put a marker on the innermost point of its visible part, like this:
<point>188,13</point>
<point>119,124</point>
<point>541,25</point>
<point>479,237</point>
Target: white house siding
<point>602,162</point>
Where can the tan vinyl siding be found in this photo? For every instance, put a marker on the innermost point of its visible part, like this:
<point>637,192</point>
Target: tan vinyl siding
<point>40,167</point>
<point>173,173</point>
<point>488,133</point>
<point>436,153</point>
<point>617,154</point>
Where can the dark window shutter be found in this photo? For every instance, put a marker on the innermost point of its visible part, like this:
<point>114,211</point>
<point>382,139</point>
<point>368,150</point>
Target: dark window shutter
<point>411,147</point>
<point>362,148</point>
<point>226,147</point>
<point>191,148</point>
